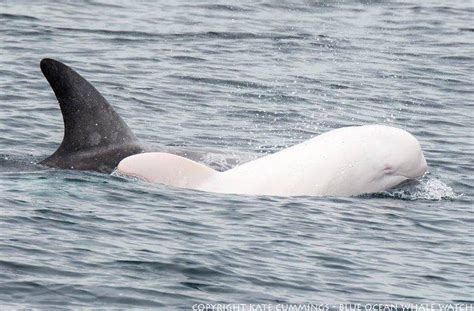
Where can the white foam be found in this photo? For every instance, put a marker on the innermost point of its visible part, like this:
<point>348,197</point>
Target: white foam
<point>428,189</point>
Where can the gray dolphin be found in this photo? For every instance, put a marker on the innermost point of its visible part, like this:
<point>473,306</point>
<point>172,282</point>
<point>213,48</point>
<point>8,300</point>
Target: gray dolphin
<point>95,137</point>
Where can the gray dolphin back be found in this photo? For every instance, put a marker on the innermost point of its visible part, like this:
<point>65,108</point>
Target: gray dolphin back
<point>95,137</point>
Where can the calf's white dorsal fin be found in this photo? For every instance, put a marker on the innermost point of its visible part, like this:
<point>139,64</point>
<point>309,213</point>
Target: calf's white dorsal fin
<point>166,168</point>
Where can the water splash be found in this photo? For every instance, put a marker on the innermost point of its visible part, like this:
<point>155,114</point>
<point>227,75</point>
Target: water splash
<point>429,188</point>
<point>118,174</point>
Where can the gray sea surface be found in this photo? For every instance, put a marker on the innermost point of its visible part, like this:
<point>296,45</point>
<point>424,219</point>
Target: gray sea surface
<point>235,81</point>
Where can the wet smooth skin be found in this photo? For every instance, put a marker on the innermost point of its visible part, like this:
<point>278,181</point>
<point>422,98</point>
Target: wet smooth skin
<point>343,162</point>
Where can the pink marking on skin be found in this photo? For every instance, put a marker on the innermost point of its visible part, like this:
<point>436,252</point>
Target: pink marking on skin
<point>387,168</point>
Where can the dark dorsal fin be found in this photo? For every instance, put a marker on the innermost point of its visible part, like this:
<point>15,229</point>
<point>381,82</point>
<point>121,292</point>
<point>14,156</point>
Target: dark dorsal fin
<point>95,137</point>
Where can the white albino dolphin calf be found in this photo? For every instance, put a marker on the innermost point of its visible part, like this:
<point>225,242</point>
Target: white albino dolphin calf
<point>343,162</point>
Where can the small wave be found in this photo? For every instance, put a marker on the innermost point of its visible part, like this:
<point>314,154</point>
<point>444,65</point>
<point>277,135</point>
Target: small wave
<point>188,58</point>
<point>223,7</point>
<point>17,17</point>
<point>224,82</point>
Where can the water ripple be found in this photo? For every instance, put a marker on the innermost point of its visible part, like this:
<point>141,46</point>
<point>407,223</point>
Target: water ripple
<point>227,83</point>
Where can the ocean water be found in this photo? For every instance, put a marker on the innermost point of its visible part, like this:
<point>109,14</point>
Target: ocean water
<point>235,81</point>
